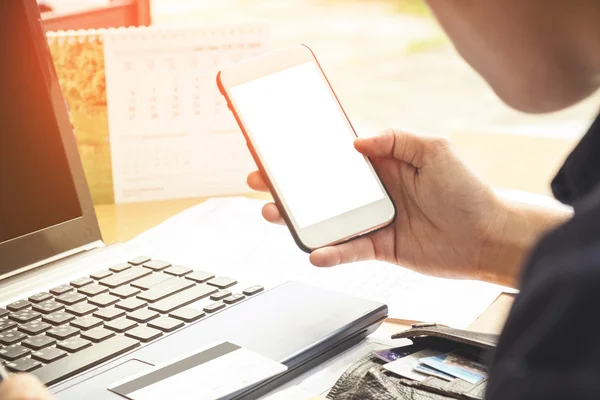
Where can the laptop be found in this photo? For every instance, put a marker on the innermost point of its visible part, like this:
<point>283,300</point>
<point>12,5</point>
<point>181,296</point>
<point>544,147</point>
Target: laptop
<point>82,316</point>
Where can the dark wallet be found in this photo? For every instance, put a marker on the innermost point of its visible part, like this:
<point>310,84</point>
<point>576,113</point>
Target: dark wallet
<point>367,379</point>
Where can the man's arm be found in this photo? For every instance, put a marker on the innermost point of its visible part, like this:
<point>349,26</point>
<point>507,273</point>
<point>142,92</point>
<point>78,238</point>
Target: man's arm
<point>504,254</point>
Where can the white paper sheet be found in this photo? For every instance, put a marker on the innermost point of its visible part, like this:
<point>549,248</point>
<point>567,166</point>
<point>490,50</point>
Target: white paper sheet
<point>230,237</point>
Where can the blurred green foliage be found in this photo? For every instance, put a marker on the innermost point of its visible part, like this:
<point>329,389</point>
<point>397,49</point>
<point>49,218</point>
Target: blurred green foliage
<point>428,44</point>
<point>415,7</point>
<point>80,68</point>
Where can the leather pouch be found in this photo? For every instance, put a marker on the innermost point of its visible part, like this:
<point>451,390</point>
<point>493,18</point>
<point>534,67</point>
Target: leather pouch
<point>367,379</point>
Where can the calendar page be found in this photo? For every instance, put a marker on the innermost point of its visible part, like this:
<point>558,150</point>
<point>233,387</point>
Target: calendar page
<point>171,133</point>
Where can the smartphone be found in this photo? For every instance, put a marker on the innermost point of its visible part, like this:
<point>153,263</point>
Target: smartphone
<point>303,144</point>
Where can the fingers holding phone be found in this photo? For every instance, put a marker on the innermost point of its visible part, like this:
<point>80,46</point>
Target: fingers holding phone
<point>256,182</point>
<point>270,211</point>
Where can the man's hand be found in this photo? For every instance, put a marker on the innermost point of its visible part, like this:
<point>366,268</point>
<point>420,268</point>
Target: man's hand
<point>449,222</point>
<point>23,387</point>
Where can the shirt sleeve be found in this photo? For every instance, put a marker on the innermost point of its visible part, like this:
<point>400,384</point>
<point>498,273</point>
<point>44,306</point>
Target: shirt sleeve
<point>550,346</point>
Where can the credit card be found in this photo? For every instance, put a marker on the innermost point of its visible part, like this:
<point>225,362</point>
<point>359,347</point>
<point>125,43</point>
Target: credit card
<point>424,369</point>
<point>405,366</point>
<point>457,365</point>
<point>389,355</point>
<point>221,371</point>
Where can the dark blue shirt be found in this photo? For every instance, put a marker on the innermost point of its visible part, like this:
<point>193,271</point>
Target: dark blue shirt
<point>550,345</point>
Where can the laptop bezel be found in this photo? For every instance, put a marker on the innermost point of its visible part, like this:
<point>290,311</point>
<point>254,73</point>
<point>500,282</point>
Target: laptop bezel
<point>31,250</point>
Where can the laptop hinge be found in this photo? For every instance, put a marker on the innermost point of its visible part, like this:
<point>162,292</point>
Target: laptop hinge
<point>58,257</point>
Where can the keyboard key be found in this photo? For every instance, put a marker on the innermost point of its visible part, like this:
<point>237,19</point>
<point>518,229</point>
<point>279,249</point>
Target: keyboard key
<point>11,337</point>
<point>62,289</point>
<point>38,298</point>
<point>234,298</point>
<point>103,300</point>
<point>18,305</point>
<point>156,265</point>
<point>93,290</point>
<point>101,274</point>
<point>49,354</point>
<point>13,352</point>
<point>125,291</point>
<point>120,325</point>
<point>63,332</point>
<point>187,314</point>
<point>97,335</point>
<point>6,324</point>
<point>178,270</point>
<point>211,308</point>
<point>165,324</point>
<point>131,304</point>
<point>127,276</point>
<point>109,314</point>
<point>222,282</point>
<point>58,318</point>
<point>220,295</point>
<point>3,312</point>
<point>34,327</point>
<point>38,342</point>
<point>23,365</point>
<point>139,260</point>
<point>81,309</point>
<point>143,315</point>
<point>81,282</point>
<point>143,333</point>
<point>199,276</point>
<point>48,306</point>
<point>74,344</point>
<point>148,281</point>
<point>183,298</point>
<point>71,298</point>
<point>252,290</point>
<point>165,289</point>
<point>87,322</point>
<point>120,267</point>
<point>85,359</point>
<point>24,316</point>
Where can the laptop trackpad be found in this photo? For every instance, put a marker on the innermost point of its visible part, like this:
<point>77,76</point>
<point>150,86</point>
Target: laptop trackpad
<point>96,386</point>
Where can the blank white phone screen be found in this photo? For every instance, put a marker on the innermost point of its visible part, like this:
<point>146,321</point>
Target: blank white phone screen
<point>306,144</point>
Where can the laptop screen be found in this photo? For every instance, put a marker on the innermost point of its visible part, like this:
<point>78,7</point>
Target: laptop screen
<point>37,189</point>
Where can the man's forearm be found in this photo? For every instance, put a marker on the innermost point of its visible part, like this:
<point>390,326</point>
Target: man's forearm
<point>504,255</point>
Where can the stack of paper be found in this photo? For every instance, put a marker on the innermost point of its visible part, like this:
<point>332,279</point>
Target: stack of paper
<point>230,237</point>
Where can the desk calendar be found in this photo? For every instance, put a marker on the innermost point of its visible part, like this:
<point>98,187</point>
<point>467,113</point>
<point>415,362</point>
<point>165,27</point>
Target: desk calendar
<point>149,119</point>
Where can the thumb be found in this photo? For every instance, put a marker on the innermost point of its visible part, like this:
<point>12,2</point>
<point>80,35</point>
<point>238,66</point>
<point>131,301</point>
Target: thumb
<point>407,147</point>
<point>359,249</point>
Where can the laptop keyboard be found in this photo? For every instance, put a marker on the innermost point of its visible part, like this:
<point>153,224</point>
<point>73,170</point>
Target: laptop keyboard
<point>75,326</point>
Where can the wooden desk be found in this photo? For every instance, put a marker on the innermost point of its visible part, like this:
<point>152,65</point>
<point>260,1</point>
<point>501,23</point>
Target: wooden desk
<point>122,222</point>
